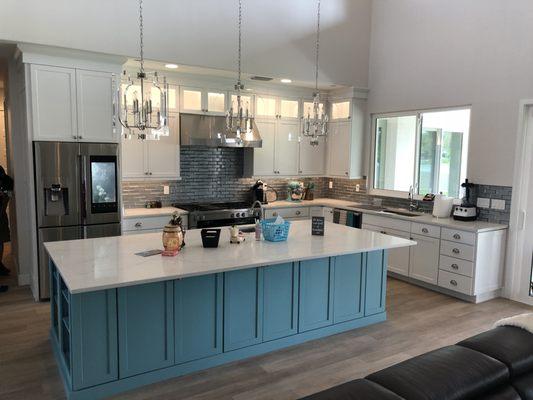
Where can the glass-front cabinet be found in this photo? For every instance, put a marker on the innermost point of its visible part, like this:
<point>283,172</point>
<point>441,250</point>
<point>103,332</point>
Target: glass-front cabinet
<point>203,101</point>
<point>341,110</point>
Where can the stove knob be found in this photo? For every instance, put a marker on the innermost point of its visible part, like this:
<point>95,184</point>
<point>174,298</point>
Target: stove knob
<point>237,215</point>
<point>232,215</point>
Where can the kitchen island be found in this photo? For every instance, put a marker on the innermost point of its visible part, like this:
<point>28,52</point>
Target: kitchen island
<point>120,321</point>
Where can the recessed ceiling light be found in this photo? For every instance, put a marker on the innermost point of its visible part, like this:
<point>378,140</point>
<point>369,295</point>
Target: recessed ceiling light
<point>286,80</point>
<point>171,66</point>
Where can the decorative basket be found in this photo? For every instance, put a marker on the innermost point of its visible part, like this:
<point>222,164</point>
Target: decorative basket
<point>275,232</point>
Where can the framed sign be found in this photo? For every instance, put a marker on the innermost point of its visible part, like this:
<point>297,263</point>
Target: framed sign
<point>317,226</point>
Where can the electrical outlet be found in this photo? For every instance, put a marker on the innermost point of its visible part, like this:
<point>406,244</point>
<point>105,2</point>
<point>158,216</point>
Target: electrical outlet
<point>497,204</point>
<point>330,184</point>
<point>483,202</point>
<point>166,189</point>
<point>357,187</point>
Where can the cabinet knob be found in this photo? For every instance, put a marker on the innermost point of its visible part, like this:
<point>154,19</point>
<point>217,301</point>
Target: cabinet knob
<point>455,266</point>
<point>425,230</point>
<point>275,214</point>
<point>138,224</point>
<point>457,236</point>
<point>453,282</point>
<point>384,232</point>
<point>346,173</point>
<point>149,173</point>
<point>298,212</point>
<point>300,171</point>
<point>456,251</point>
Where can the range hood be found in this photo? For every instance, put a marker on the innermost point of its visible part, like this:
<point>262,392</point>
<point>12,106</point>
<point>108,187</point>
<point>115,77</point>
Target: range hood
<point>210,131</point>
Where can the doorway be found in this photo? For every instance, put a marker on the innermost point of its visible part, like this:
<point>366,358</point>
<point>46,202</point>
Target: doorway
<point>520,259</point>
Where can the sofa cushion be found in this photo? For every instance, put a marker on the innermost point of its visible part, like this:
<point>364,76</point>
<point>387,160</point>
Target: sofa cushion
<point>512,346</point>
<point>524,386</point>
<point>450,373</point>
<point>503,393</point>
<point>360,389</point>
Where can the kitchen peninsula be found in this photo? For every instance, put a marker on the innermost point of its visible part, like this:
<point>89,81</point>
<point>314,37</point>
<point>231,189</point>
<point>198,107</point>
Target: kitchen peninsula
<point>120,320</point>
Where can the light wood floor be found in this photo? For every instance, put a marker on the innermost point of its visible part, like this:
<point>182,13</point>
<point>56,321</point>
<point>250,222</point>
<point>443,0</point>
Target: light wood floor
<point>419,321</point>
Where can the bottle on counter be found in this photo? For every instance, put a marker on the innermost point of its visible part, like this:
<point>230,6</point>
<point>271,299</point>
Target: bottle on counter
<point>258,230</point>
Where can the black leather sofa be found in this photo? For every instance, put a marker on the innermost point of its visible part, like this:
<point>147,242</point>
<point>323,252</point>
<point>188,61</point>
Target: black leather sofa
<point>495,365</point>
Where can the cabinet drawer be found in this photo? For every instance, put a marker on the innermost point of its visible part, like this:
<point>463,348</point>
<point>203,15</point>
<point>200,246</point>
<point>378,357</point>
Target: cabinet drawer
<point>144,223</point>
<point>292,212</point>
<point>457,266</point>
<point>385,222</point>
<point>457,250</point>
<point>454,235</point>
<point>455,282</point>
<point>425,230</point>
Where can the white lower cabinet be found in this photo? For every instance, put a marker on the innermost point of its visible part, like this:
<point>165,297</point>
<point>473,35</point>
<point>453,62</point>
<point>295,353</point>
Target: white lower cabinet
<point>424,259</point>
<point>132,226</point>
<point>398,261</point>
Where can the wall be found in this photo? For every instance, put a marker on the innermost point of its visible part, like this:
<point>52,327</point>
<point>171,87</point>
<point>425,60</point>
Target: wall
<point>278,35</point>
<point>434,53</point>
<point>3,142</point>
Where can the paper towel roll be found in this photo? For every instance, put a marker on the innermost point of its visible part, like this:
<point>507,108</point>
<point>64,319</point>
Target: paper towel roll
<point>442,206</point>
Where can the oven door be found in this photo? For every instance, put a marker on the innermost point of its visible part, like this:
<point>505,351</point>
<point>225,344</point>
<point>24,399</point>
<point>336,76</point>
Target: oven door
<point>99,186</point>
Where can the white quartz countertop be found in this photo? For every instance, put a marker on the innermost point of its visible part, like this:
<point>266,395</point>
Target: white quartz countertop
<point>150,212</point>
<point>472,226</point>
<point>95,264</point>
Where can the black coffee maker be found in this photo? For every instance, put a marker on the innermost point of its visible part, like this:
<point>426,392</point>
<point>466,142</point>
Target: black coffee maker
<point>258,191</point>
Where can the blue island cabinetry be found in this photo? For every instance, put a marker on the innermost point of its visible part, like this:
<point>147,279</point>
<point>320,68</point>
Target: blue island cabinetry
<point>113,340</point>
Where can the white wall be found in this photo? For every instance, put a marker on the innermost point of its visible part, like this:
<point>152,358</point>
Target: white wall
<point>278,35</point>
<point>438,53</point>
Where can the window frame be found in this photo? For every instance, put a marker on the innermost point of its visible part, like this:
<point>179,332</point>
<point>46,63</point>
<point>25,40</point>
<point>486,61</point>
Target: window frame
<point>414,113</point>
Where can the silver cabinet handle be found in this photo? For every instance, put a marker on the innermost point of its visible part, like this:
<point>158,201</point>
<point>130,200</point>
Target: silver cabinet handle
<point>455,266</point>
<point>275,214</point>
<point>298,212</point>
<point>456,251</point>
<point>453,282</point>
<point>457,236</point>
<point>383,232</point>
<point>138,224</point>
<point>346,173</point>
<point>425,230</point>
<point>74,137</point>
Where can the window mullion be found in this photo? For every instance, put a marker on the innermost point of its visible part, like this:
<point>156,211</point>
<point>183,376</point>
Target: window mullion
<point>416,172</point>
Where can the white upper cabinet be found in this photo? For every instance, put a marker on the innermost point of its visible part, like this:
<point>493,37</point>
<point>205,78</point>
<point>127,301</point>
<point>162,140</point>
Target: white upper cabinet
<point>53,103</point>
<point>163,154</point>
<point>264,156</point>
<point>345,139</point>
<point>203,101</point>
<point>286,148</point>
<point>96,106</point>
<point>266,107</point>
<point>134,159</point>
<point>289,109</point>
<point>72,104</point>
<point>312,158</point>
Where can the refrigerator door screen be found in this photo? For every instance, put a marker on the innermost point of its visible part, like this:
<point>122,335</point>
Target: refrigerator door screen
<point>103,184</point>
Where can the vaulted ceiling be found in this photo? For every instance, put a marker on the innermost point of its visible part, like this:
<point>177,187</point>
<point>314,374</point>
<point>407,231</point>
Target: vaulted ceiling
<point>279,35</point>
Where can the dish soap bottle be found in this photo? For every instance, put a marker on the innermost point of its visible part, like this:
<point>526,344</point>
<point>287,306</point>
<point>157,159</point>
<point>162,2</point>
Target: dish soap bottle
<point>258,230</point>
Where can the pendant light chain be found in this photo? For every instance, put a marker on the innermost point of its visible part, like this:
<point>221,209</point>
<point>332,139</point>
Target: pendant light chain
<point>141,36</point>
<point>239,49</point>
<point>317,46</point>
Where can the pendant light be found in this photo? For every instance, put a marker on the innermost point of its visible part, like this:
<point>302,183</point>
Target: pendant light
<point>138,114</point>
<point>315,125</point>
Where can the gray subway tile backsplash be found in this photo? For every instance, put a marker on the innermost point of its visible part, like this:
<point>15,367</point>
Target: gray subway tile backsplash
<point>215,175</point>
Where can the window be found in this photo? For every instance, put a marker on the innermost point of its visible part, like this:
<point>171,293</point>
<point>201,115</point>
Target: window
<point>424,150</point>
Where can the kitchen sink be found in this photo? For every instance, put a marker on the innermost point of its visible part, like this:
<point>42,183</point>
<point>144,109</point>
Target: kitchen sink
<point>404,213</point>
<point>370,207</point>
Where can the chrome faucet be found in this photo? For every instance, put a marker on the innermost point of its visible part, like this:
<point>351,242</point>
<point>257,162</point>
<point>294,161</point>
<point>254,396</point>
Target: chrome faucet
<point>413,204</point>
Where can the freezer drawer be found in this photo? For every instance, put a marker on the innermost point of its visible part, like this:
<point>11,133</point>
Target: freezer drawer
<point>52,235</point>
<point>102,230</point>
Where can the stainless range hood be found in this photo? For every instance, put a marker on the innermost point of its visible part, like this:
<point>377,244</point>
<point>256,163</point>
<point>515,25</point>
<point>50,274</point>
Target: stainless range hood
<point>210,131</point>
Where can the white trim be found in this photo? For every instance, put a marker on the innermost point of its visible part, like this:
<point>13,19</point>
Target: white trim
<point>514,275</point>
<point>24,280</point>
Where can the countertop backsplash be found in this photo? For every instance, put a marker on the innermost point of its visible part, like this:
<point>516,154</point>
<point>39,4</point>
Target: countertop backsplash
<point>215,175</point>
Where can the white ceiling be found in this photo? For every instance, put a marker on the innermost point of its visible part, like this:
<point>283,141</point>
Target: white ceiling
<point>278,35</point>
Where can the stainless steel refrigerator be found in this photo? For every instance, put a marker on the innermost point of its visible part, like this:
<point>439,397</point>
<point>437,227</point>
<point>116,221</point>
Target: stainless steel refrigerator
<point>77,195</point>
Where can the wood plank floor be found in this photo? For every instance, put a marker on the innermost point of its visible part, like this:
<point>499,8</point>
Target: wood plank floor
<point>419,321</point>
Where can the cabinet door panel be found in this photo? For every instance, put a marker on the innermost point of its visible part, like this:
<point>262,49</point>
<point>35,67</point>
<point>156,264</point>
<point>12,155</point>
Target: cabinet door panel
<point>286,148</point>
<point>424,259</point>
<point>243,298</point>
<point>339,149</point>
<point>134,157</point>
<point>146,327</point>
<point>280,308</point>
<point>163,154</point>
<point>94,338</point>
<point>191,100</point>
<point>264,156</point>
<point>376,282</point>
<point>316,294</point>
<point>53,102</point>
<point>95,106</point>
<point>349,287</point>
<point>312,158</point>
<point>198,317</point>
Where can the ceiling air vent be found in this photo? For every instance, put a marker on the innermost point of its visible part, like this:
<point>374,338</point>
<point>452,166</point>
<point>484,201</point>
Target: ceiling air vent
<point>261,78</point>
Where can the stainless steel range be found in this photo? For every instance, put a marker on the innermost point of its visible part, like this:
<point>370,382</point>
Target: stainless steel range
<point>220,214</point>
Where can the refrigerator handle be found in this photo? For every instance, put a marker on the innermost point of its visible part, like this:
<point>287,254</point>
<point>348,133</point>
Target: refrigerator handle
<point>83,169</point>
